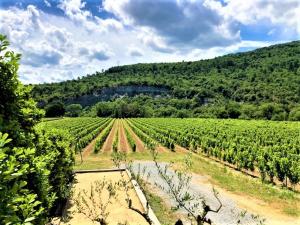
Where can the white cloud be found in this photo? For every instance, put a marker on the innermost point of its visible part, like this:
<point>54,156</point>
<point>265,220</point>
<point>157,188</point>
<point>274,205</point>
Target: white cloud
<point>74,9</point>
<point>135,52</point>
<point>50,45</point>
<point>95,51</point>
<point>182,24</point>
<point>41,54</point>
<point>277,12</point>
<point>48,4</point>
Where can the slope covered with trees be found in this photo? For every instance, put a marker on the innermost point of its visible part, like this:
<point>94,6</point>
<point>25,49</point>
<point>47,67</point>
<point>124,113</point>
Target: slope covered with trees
<point>264,83</point>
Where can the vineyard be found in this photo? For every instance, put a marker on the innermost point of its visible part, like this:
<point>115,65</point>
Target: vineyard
<point>213,141</point>
<point>267,149</point>
<point>83,130</point>
<point>273,148</point>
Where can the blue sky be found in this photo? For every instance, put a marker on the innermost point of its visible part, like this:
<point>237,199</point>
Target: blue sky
<point>66,39</point>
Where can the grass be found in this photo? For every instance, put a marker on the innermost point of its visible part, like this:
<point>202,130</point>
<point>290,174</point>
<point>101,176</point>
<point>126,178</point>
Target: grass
<point>161,210</point>
<point>93,161</point>
<point>288,202</point>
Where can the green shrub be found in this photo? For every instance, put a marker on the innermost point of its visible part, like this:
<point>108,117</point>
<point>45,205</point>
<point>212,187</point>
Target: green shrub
<point>35,164</point>
<point>18,204</point>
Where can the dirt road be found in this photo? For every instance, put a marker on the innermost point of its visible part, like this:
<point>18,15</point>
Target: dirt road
<point>233,204</point>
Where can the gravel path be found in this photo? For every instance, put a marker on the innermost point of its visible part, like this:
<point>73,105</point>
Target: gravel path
<point>199,187</point>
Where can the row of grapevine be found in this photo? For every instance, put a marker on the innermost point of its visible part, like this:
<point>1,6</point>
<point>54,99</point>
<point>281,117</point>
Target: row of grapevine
<point>271,147</point>
<point>83,130</point>
<point>157,134</point>
<point>130,139</point>
<point>102,137</point>
<point>145,138</point>
<point>116,141</point>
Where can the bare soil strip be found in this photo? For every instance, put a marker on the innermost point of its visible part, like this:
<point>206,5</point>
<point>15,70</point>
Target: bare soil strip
<point>123,142</point>
<point>107,147</point>
<point>180,149</point>
<point>139,144</point>
<point>90,147</point>
<point>161,149</point>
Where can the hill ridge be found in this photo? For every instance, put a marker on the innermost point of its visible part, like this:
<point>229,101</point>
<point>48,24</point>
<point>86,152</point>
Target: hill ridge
<point>268,75</point>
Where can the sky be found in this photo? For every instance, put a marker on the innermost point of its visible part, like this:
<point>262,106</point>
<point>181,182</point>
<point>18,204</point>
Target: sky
<point>66,39</point>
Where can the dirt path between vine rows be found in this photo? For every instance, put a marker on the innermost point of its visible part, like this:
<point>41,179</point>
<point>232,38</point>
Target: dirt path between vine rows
<point>107,147</point>
<point>139,144</point>
<point>123,142</point>
<point>90,147</point>
<point>180,149</point>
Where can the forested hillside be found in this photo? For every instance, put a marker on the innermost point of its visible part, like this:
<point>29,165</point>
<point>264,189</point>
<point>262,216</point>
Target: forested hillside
<point>261,84</point>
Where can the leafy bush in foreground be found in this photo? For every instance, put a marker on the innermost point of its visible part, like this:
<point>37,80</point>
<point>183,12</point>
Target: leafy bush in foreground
<point>34,181</point>
<point>35,164</point>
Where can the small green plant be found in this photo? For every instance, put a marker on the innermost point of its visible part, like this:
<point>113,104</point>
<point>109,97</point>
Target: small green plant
<point>116,142</point>
<point>130,139</point>
<point>100,140</point>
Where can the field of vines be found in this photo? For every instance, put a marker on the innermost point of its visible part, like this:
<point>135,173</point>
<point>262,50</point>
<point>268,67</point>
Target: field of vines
<point>271,148</point>
<point>83,129</point>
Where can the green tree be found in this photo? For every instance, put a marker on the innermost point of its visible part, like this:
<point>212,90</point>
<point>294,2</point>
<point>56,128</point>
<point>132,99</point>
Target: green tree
<point>18,111</point>
<point>248,111</point>
<point>104,109</point>
<point>35,164</point>
<point>55,109</point>
<point>233,110</point>
<point>295,114</point>
<point>73,110</point>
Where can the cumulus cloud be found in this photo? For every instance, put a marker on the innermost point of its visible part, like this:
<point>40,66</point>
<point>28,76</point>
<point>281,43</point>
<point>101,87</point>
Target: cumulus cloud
<point>48,4</point>
<point>100,55</point>
<point>47,48</point>
<point>184,25</point>
<point>74,9</point>
<point>135,52</point>
<point>284,14</point>
<point>181,23</point>
<point>95,51</point>
<point>41,55</point>
<point>276,11</point>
